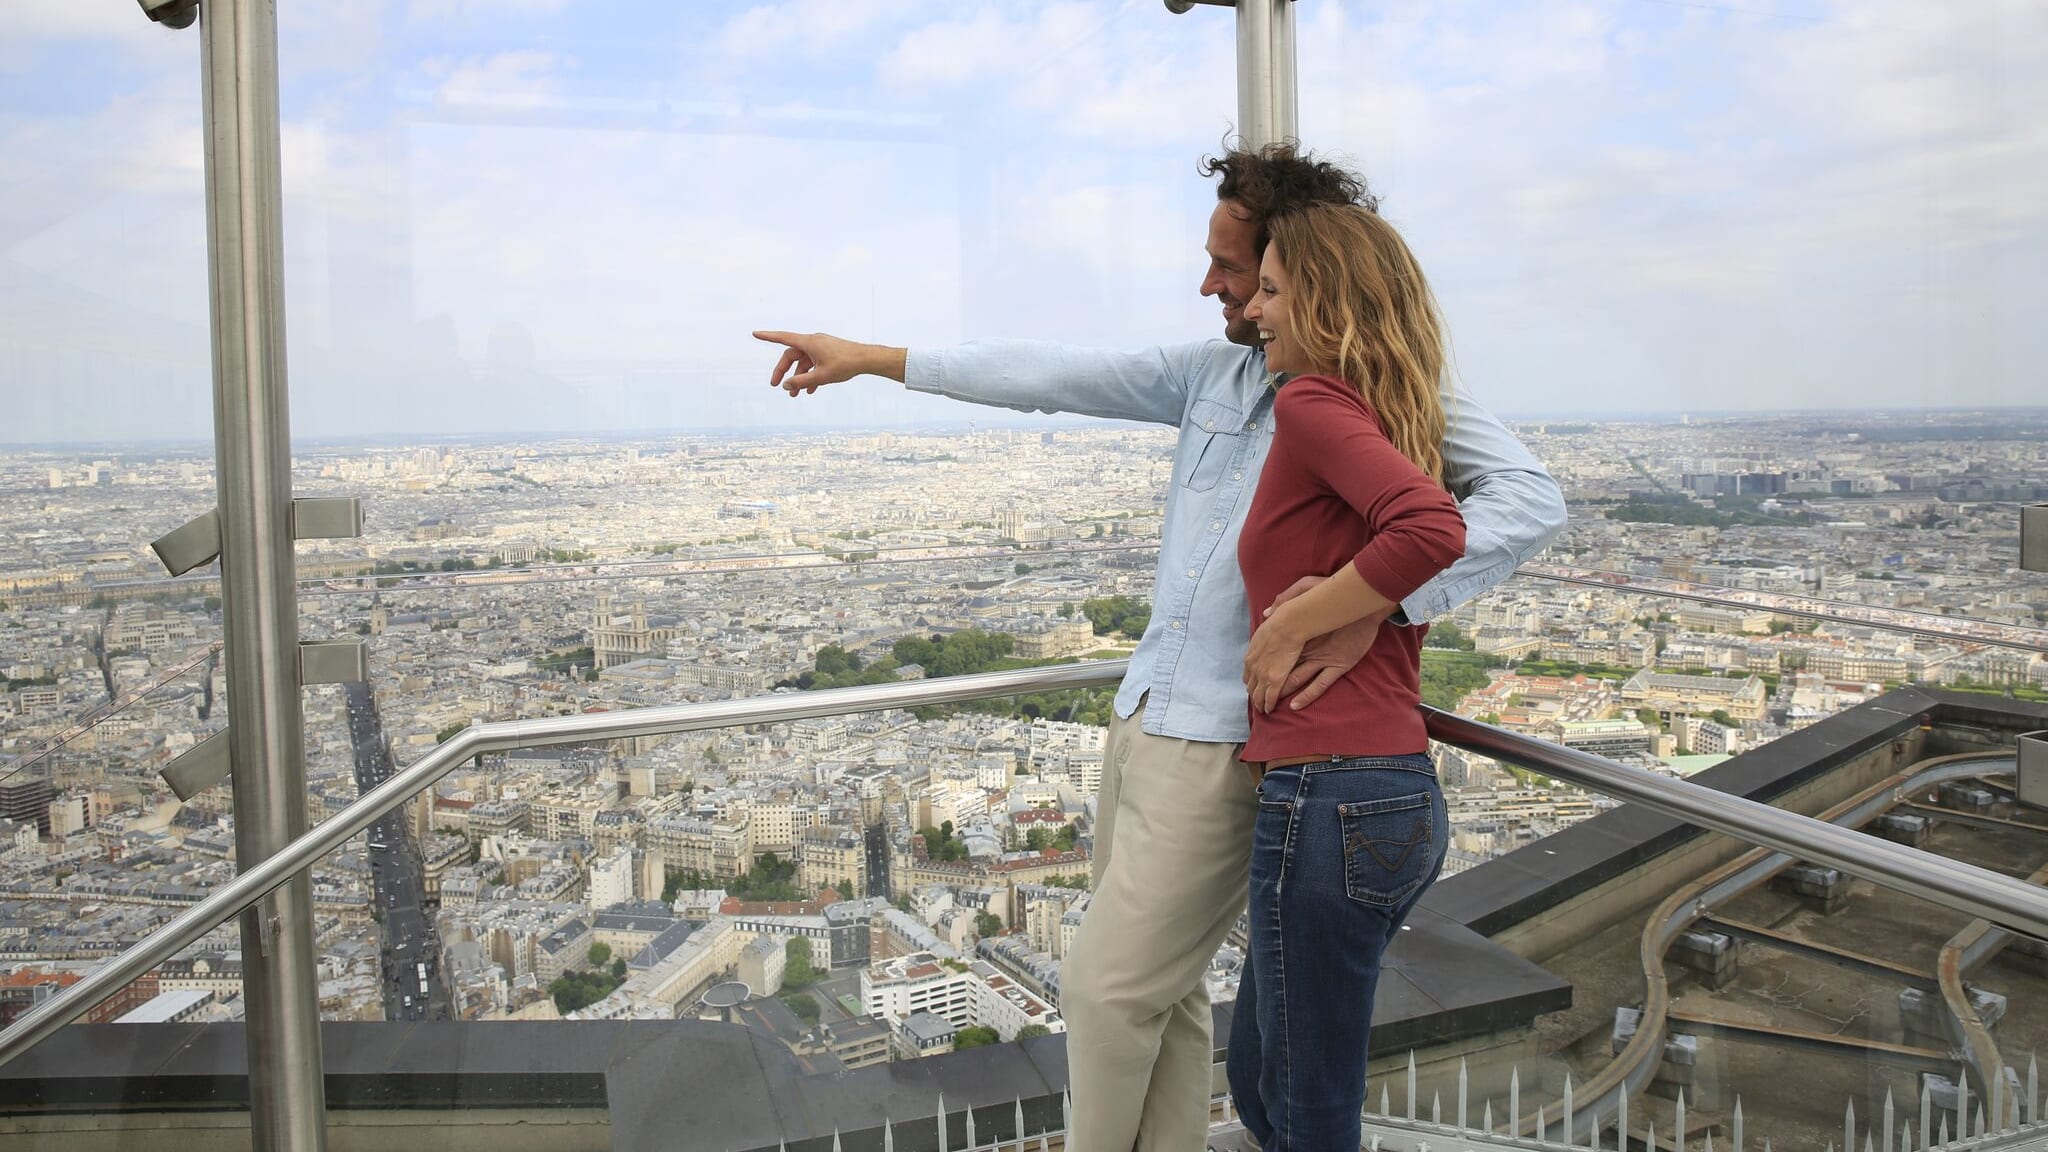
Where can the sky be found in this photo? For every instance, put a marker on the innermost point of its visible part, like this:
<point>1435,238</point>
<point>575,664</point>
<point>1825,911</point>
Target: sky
<point>565,216</point>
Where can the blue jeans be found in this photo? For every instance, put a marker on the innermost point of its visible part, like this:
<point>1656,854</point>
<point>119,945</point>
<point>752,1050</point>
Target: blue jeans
<point>1341,851</point>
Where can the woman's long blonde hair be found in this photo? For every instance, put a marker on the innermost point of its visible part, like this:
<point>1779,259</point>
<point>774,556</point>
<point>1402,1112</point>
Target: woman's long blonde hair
<point>1363,313</point>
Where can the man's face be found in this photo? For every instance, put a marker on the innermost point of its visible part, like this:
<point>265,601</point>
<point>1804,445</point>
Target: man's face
<point>1233,269</point>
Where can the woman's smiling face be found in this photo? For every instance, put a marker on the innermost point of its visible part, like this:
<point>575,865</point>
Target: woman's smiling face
<point>1268,309</point>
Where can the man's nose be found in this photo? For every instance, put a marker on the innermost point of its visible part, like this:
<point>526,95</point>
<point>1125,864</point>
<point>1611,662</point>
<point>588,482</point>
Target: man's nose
<point>1212,284</point>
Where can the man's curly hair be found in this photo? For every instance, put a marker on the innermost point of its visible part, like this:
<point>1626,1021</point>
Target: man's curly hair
<point>1279,178</point>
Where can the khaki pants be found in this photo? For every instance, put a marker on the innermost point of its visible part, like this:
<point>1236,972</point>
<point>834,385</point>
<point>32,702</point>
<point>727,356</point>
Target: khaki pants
<point>1172,853</point>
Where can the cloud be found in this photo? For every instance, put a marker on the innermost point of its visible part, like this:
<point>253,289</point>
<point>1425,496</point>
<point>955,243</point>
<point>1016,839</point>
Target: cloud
<point>434,11</point>
<point>81,22</point>
<point>509,81</point>
<point>1709,209</point>
<point>1622,204</point>
<point>803,29</point>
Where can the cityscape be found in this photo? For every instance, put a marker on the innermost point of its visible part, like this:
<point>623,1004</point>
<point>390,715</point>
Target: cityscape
<point>891,885</point>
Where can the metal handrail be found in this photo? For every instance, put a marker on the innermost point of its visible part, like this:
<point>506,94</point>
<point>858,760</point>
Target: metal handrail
<point>259,880</point>
<point>1988,895</point>
<point>1981,892</point>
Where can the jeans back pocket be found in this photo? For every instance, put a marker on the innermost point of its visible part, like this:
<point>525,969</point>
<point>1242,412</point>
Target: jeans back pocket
<point>1390,848</point>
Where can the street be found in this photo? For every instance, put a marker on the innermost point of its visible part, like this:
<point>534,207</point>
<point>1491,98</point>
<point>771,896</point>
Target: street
<point>412,955</point>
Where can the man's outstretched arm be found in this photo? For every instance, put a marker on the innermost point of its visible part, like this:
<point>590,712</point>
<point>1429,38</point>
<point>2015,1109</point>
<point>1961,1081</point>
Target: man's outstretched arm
<point>1027,375</point>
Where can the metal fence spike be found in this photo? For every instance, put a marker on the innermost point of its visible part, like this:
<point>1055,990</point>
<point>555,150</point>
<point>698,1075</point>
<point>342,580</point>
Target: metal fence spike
<point>2033,1110</point>
<point>1926,1114</point>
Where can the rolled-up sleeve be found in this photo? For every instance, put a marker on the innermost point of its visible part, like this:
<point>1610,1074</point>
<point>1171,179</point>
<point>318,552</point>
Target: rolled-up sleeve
<point>1512,507</point>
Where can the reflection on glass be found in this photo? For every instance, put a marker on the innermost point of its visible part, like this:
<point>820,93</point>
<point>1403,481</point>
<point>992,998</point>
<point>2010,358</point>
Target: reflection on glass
<point>524,252</point>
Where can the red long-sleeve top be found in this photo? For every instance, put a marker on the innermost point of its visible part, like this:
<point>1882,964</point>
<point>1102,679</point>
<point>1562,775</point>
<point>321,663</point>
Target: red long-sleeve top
<point>1335,491</point>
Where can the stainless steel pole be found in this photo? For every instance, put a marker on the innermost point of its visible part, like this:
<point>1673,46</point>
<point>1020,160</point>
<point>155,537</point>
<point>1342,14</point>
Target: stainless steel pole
<point>1265,72</point>
<point>252,445</point>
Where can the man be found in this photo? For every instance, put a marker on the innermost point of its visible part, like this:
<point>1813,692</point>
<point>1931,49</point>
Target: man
<point>1174,818</point>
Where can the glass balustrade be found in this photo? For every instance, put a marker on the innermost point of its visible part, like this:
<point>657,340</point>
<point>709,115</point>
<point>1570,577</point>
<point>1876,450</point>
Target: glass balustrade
<point>1742,279</point>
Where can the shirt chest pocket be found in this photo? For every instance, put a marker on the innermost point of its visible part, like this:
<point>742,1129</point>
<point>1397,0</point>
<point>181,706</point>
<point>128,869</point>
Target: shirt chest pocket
<point>1209,443</point>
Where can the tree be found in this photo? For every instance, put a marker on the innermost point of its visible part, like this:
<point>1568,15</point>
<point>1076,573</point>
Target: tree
<point>619,969</point>
<point>1033,1031</point>
<point>1023,569</point>
<point>1067,610</point>
<point>1116,614</point>
<point>940,843</point>
<point>845,888</point>
<point>1445,634</point>
<point>573,990</point>
<point>1649,717</point>
<point>975,1038</point>
<point>986,925</point>
<point>832,660</point>
<point>797,969</point>
<point>1720,716</point>
<point>801,1003</point>
<point>600,954</point>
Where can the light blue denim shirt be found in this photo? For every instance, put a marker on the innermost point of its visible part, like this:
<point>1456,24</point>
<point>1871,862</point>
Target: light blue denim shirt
<point>1191,659</point>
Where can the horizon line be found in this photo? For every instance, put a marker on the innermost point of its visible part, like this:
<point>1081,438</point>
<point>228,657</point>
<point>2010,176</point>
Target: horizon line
<point>1051,423</point>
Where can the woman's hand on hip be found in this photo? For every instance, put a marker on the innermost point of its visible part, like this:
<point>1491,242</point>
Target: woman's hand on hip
<point>1274,651</point>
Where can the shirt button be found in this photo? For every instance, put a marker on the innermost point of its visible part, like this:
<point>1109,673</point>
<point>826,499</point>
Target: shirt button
<point>1194,571</point>
<point>1237,475</point>
<point>1254,426</point>
<point>1215,525</point>
<point>1176,625</point>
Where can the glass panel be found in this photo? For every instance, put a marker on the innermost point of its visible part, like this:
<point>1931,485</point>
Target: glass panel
<point>524,253</point>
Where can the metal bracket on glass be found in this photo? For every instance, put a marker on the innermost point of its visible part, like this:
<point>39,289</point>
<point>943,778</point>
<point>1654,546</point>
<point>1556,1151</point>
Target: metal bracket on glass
<point>2032,787</point>
<point>171,13</point>
<point>197,542</point>
<point>191,545</point>
<point>327,517</point>
<point>2034,538</point>
<point>200,767</point>
<point>333,662</point>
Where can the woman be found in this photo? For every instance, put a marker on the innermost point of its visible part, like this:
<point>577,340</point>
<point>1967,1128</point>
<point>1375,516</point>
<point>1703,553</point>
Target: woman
<point>1351,826</point>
